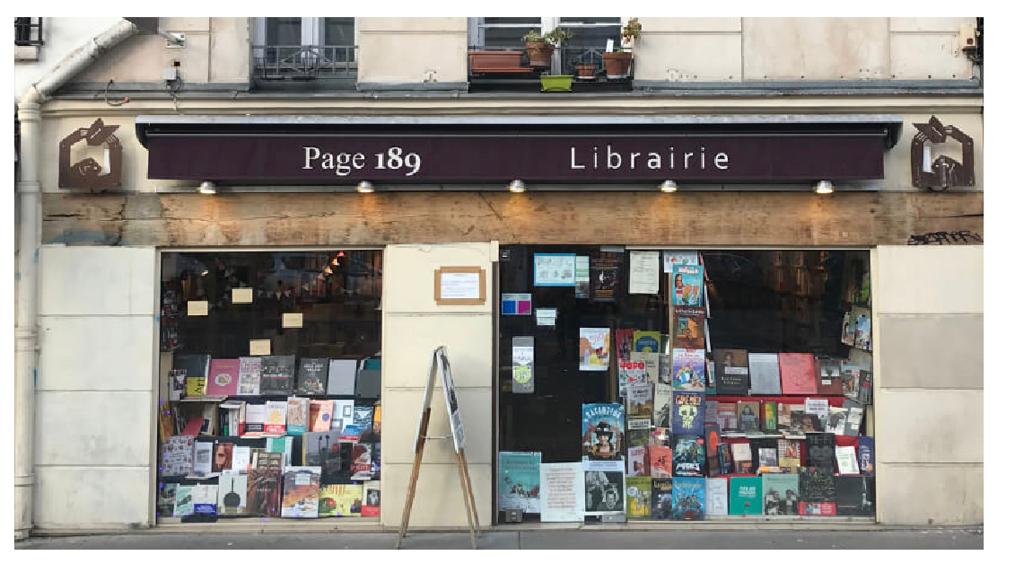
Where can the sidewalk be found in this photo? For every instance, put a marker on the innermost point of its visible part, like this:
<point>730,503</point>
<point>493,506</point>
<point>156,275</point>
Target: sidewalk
<point>932,538</point>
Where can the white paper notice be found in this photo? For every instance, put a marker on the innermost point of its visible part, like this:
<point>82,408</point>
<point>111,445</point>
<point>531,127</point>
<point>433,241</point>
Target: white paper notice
<point>547,316</point>
<point>561,492</point>
<point>291,320</point>
<point>241,296</point>
<point>643,272</point>
<point>260,347</point>
<point>460,286</point>
<point>198,308</point>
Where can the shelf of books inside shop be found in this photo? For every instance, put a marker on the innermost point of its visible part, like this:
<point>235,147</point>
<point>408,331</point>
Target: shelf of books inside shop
<point>746,406</point>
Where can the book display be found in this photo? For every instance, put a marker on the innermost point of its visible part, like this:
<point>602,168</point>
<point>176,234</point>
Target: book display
<point>263,414</point>
<point>740,388</point>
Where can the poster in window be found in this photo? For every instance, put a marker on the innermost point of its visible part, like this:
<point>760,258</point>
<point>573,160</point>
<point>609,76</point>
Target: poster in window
<point>595,348</point>
<point>603,431</point>
<point>687,285</point>
<point>519,481</point>
<point>605,276</point>
<point>554,270</point>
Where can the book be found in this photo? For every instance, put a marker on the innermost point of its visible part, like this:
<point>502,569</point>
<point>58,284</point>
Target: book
<point>784,418</point>
<point>764,373</point>
<point>603,431</point>
<point>647,341</point>
<point>340,500</point>
<point>317,447</point>
<point>595,345</point>
<point>835,423</point>
<point>638,497</point>
<point>848,333</point>
<point>726,417</point>
<point>855,495</point>
<point>297,417</point>
<point>688,326</point>
<point>371,499</point>
<point>183,501</point>
<point>819,408</point>
<point>712,441</point>
<point>623,344</point>
<point>732,372</point>
<point>223,452</point>
<point>688,498</point>
<point>176,384</point>
<point>725,463</point>
<point>665,369</point>
<point>709,371</point>
<point>519,481</point>
<point>716,496</point>
<point>687,287</point>
<point>604,488</point>
<point>176,456</point>
<point>830,378</point>
<point>865,389</point>
<point>797,372</point>
<point>789,454</point>
<point>846,460</point>
<point>202,460</point>
<point>269,459</point>
<point>223,378</point>
<point>195,386</point>
<point>854,417</point>
<point>255,419</point>
<point>277,417</point>
<point>660,461</point>
<point>862,329</point>
<point>866,455</point>
<point>277,374</point>
<point>804,422</point>
<point>767,457</point>
<point>652,364</point>
<point>638,437</point>
<point>263,493</point>
<point>362,461</point>
<point>165,499</point>
<point>320,415</point>
<point>745,496</point>
<point>769,416</point>
<point>661,499</point>
<point>689,456</point>
<point>368,384</point>
<point>662,414</point>
<point>341,377</point>
<point>639,406</point>
<point>820,450</point>
<point>197,369</point>
<point>636,461</point>
<point>249,372</point>
<point>630,373</point>
<point>281,445</point>
<point>300,492</point>
<point>233,417</point>
<point>817,492</point>
<point>749,415</point>
<point>687,413</point>
<point>240,458</point>
<point>362,416</point>
<point>660,437</point>
<point>742,458</point>
<point>312,376</point>
<point>781,494</point>
<point>232,488</point>
<point>688,369</point>
<point>343,414</point>
<point>204,500</point>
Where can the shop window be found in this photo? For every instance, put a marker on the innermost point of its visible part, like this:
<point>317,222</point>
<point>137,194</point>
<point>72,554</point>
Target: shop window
<point>269,385</point>
<point>708,385</point>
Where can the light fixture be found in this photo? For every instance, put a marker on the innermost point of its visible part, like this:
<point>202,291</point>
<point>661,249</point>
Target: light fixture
<point>207,188</point>
<point>365,187</point>
<point>205,272</point>
<point>517,186</point>
<point>668,186</point>
<point>824,187</point>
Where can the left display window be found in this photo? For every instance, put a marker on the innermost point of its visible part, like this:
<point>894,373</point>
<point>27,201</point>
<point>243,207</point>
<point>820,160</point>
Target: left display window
<point>269,385</point>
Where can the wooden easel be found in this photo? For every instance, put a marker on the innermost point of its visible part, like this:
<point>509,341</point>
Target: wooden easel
<point>439,363</point>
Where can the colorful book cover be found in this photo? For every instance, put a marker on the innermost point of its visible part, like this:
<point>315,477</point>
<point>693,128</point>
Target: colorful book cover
<point>522,365</point>
<point>249,369</point>
<point>343,414</point>
<point>606,276</point>
<point>748,414</point>
<point>312,376</point>
<point>732,371</point>
<point>371,499</point>
<point>183,501</point>
<point>661,461</point>
<point>798,373</point>
<point>717,496</point>
<point>276,374</point>
<point>519,481</point>
<point>647,341</point>
<point>232,488</point>
<point>864,395</point>
<point>745,496</point>
<point>638,497</point>
<point>855,495</point>
<point>223,379</point>
<point>639,405</point>
<point>297,417</point>
<point>769,416</point>
<point>362,461</point>
<point>688,369</point>
<point>862,329</point>
<point>623,344</point>
<point>320,415</point>
<point>340,500</point>
<point>636,461</point>
<point>661,499</point>
<point>817,492</point>
<point>781,494</point>
<point>831,381</point>
<point>688,326</point>
<point>849,329</point>
<point>662,415</point>
<point>866,455</point>
<point>789,454</point>
<point>603,431</point>
<point>638,437</point>
<point>712,435</point>
<point>688,498</point>
<point>300,496</point>
<point>176,456</point>
<point>604,488</point>
<point>687,413</point>
<point>223,452</point>
<point>197,370</point>
<point>204,499</point>
<point>784,418</point>
<point>689,456</point>
<point>687,285</point>
<point>595,347</point>
<point>630,373</point>
<point>764,373</point>
<point>660,437</point>
<point>195,386</point>
<point>652,362</point>
<point>277,418</point>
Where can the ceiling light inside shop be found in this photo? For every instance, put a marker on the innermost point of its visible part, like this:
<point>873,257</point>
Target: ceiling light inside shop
<point>365,187</point>
<point>207,188</point>
<point>517,186</point>
<point>824,187</point>
<point>668,186</point>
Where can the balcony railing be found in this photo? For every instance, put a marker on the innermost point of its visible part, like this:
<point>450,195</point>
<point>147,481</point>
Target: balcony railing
<point>28,31</point>
<point>492,68</point>
<point>303,63</point>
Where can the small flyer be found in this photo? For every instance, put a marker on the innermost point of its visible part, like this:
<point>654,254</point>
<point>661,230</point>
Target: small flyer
<point>522,365</point>
<point>554,269</point>
<point>595,348</point>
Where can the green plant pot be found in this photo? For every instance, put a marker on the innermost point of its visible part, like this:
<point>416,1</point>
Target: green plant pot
<point>556,83</point>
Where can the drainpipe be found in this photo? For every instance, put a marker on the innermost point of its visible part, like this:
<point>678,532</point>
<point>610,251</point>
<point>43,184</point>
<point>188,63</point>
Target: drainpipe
<point>29,232</point>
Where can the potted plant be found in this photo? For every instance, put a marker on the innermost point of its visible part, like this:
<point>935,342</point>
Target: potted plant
<point>617,63</point>
<point>540,47</point>
<point>553,83</point>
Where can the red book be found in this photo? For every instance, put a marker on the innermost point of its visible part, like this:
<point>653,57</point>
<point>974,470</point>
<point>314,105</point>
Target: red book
<point>798,373</point>
<point>223,378</point>
<point>661,461</point>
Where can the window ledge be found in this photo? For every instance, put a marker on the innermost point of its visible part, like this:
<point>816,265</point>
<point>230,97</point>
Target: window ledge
<point>26,53</point>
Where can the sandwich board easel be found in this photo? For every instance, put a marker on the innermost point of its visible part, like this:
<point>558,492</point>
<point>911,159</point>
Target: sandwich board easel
<point>439,364</point>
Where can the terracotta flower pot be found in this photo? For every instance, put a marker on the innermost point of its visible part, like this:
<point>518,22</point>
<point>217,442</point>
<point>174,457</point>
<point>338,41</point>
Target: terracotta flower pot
<point>539,54</point>
<point>616,64</point>
<point>586,71</point>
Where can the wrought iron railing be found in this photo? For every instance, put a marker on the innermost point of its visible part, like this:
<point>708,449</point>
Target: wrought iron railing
<point>28,31</point>
<point>303,63</point>
<point>564,60</point>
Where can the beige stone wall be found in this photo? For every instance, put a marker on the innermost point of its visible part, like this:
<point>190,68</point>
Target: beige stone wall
<point>929,389</point>
<point>413,326</point>
<point>412,50</point>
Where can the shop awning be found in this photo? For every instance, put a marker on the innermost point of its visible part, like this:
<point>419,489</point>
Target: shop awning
<point>332,150</point>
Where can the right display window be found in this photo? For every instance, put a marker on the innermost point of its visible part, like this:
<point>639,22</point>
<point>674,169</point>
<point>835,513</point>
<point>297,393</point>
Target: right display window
<point>643,384</point>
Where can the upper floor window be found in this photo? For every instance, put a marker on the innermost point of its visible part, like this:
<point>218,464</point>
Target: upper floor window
<point>28,31</point>
<point>300,48</point>
<point>587,31</point>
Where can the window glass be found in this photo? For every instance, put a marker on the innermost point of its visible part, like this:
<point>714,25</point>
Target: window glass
<point>284,31</point>
<point>506,32</point>
<point>339,31</point>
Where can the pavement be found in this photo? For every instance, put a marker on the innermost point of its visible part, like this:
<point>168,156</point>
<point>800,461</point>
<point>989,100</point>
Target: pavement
<point>888,538</point>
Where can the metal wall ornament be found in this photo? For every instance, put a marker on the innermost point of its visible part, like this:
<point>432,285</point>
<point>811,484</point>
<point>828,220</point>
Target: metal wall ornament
<point>942,172</point>
<point>88,173</point>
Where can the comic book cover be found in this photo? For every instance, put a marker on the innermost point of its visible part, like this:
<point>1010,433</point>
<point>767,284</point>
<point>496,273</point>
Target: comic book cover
<point>638,497</point>
<point>687,285</point>
<point>661,499</point>
<point>639,405</point>
<point>688,326</point>
<point>687,413</point>
<point>688,498</point>
<point>519,481</point>
<point>688,369</point>
<point>660,461</point>
<point>595,345</point>
<point>660,437</point>
<point>603,431</point>
<point>623,344</point>
<point>647,341</point>
<point>688,456</point>
<point>636,461</point>
<point>631,373</point>
<point>662,405</point>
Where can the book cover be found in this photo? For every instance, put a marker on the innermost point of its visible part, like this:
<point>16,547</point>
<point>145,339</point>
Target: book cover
<point>277,417</point>
<point>240,458</point>
<point>732,372</point>
<point>368,384</point>
<point>202,460</point>
<point>223,379</point>
<point>661,461</point>
<point>665,369</point>
<point>849,326</point>
<point>687,285</point>
<point>830,378</point>
<point>855,495</point>
<point>637,437</point>
<point>688,326</point>
<point>603,431</point>
<point>638,497</point>
<point>652,363</point>
<point>165,498</point>
<point>688,498</point>
<point>764,373</point>
<point>817,492</point>
<point>341,377</point>
<point>263,496</point>
<point>519,481</point>
<point>725,462</point>
<point>636,461</point>
<point>798,373</point>
<point>362,416</point>
<point>781,494</point>
<point>647,341</point>
<point>340,500</point>
<point>204,499</point>
<point>195,386</point>
<point>371,499</point>
<point>709,371</point>
<point>297,416</point>
<point>362,461</point>
<point>789,454</point>
<point>232,488</point>
<point>767,457</point>
<point>522,365</point>
<point>183,501</point>
<point>661,499</point>
<point>745,496</point>
<point>639,406</point>
<point>312,376</point>
<point>320,415</point>
<point>255,419</point>
<point>197,369</point>
<point>604,488</point>
<point>317,447</point>
<point>742,457</point>
<point>864,393</point>
<point>688,369</point>
<point>726,417</point>
<point>623,344</point>
<point>630,373</point>
<point>223,452</point>
<point>595,345</point>
<point>176,456</point>
<point>606,276</point>
<point>804,422</point>
<point>689,456</point>
<point>176,384</point>
<point>249,372</point>
<point>862,329</point>
<point>343,414</point>
<point>277,374</point>
<point>300,492</point>
<point>836,421</point>
<point>717,496</point>
<point>820,450</point>
<point>748,414</point>
<point>713,440</point>
<point>660,437</point>
<point>784,419</point>
<point>854,417</point>
<point>846,460</point>
<point>769,416</point>
<point>866,455</point>
<point>687,413</point>
<point>662,416</point>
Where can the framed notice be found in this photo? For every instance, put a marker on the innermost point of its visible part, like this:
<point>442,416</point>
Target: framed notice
<point>460,285</point>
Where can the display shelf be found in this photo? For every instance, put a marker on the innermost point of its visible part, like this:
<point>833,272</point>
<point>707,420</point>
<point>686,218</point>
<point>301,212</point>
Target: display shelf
<point>200,399</point>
